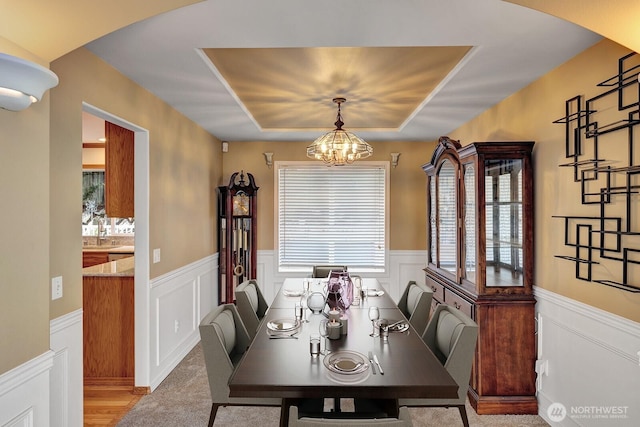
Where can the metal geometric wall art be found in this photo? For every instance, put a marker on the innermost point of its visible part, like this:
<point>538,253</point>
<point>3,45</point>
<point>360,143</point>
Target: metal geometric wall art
<point>600,143</point>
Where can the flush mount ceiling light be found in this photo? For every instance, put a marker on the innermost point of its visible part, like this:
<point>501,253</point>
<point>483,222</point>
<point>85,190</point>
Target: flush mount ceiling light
<point>22,82</point>
<point>339,147</point>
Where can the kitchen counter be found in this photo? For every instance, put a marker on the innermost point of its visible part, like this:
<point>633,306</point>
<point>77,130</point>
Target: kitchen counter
<point>113,249</point>
<point>121,267</point>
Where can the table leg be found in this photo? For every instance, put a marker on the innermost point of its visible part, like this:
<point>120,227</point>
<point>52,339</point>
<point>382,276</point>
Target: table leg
<point>284,412</point>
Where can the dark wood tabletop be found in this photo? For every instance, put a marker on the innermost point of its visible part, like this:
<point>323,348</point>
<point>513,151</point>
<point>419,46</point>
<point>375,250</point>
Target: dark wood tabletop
<point>284,367</point>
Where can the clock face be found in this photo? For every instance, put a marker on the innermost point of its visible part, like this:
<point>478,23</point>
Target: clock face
<point>241,204</point>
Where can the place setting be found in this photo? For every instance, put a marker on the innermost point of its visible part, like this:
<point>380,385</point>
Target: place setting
<point>283,328</point>
<point>346,366</point>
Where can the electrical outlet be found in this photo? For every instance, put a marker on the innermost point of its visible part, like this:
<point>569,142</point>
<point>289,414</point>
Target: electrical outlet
<point>542,367</point>
<point>156,255</point>
<point>56,287</point>
<point>176,326</point>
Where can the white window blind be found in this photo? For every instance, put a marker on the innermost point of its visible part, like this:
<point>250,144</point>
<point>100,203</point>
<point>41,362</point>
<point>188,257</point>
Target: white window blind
<point>332,215</point>
<point>447,214</point>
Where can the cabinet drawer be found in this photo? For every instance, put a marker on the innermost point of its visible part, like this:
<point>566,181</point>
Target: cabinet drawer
<point>437,288</point>
<point>458,302</point>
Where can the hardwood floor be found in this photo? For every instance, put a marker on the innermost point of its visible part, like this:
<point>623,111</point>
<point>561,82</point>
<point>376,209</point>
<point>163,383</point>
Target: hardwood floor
<point>106,405</point>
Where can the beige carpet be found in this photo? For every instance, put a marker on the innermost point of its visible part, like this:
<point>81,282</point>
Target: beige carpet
<point>183,400</point>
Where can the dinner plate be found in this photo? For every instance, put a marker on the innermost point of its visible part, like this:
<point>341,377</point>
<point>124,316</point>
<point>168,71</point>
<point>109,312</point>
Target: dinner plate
<point>283,325</point>
<point>346,362</point>
<point>292,292</point>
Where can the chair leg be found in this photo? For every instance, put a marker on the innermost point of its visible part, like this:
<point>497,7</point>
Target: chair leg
<point>284,411</point>
<point>463,414</point>
<point>336,405</point>
<point>214,411</point>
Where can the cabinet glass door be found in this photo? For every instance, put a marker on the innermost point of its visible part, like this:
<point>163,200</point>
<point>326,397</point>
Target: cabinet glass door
<point>432,221</point>
<point>447,218</point>
<point>470,225</point>
<point>504,238</point>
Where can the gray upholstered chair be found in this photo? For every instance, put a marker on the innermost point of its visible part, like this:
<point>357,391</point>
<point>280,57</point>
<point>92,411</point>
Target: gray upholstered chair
<point>403,420</point>
<point>224,341</point>
<point>251,305</point>
<point>415,303</point>
<point>320,271</point>
<point>452,336</point>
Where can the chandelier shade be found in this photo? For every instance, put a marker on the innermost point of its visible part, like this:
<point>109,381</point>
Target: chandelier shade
<point>339,147</point>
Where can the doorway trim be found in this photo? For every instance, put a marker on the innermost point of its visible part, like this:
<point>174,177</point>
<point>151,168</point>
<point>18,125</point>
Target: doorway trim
<point>141,242</point>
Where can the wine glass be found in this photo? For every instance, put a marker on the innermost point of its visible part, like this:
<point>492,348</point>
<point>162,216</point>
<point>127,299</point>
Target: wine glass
<point>374,314</point>
<point>304,305</point>
<point>324,332</point>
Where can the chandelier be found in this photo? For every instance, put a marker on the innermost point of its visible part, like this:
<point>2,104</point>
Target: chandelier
<point>339,147</point>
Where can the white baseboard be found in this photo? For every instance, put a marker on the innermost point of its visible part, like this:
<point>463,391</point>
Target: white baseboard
<point>590,358</point>
<point>24,393</point>
<point>66,393</point>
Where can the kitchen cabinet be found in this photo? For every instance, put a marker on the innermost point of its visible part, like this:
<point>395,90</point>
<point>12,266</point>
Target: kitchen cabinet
<point>480,260</point>
<point>119,171</point>
<point>100,255</point>
<point>108,317</point>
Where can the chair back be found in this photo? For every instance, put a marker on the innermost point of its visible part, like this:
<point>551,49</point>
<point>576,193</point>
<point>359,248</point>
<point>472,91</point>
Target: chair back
<point>415,303</point>
<point>224,340</point>
<point>403,420</point>
<point>322,271</point>
<point>251,305</point>
<point>452,336</point>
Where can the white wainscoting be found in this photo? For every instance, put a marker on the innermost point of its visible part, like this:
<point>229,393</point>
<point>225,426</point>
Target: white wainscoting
<point>591,363</point>
<point>403,267</point>
<point>178,301</point>
<point>66,394</point>
<point>24,393</point>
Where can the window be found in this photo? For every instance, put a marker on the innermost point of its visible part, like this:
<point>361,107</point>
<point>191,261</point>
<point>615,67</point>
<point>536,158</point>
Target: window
<point>94,217</point>
<point>331,215</point>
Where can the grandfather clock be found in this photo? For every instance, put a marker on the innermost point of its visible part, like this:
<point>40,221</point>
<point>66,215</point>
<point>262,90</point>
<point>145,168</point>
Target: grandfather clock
<point>237,218</point>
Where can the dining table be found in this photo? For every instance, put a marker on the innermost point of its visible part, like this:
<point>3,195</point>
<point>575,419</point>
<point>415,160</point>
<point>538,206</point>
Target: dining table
<point>283,367</point>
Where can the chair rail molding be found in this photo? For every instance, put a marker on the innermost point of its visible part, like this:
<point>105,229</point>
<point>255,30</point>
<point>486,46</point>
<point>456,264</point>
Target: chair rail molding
<point>575,342</point>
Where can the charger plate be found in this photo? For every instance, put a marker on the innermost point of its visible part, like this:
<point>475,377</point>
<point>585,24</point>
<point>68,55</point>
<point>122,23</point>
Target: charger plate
<point>347,367</point>
<point>283,325</point>
<point>346,362</point>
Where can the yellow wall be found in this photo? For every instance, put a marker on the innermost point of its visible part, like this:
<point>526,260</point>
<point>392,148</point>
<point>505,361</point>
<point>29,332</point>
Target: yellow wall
<point>528,115</point>
<point>24,215</point>
<point>407,205</point>
<point>184,167</point>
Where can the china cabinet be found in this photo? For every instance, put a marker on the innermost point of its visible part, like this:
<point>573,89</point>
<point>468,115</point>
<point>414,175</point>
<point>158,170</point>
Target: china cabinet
<point>237,214</point>
<point>480,260</point>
